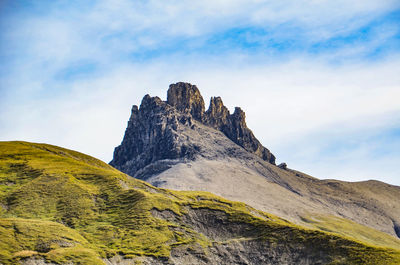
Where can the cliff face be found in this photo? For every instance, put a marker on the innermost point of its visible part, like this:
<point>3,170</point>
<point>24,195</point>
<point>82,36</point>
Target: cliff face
<point>186,98</point>
<point>152,135</point>
<point>153,129</point>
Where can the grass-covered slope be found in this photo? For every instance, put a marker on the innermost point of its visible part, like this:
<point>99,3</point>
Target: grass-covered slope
<point>63,206</point>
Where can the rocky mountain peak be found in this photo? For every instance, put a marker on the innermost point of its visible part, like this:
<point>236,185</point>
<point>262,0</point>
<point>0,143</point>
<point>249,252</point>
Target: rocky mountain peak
<point>155,129</point>
<point>186,98</point>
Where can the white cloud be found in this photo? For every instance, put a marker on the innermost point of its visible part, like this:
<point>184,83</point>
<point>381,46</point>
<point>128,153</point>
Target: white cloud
<point>112,28</point>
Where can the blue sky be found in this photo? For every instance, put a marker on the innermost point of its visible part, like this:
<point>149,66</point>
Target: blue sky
<point>319,80</point>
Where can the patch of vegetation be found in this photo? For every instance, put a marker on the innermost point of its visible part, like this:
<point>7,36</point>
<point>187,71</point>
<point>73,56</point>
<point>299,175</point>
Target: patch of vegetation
<point>65,206</point>
<point>352,230</point>
<point>23,238</point>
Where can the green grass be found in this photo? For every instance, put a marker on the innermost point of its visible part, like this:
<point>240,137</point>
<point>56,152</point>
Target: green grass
<point>63,206</point>
<point>21,238</point>
<point>347,228</point>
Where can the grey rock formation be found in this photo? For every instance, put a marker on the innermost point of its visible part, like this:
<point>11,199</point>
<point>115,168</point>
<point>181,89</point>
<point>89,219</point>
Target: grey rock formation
<point>235,128</point>
<point>186,98</point>
<point>217,114</point>
<point>153,129</point>
<point>237,131</point>
<point>152,135</point>
<point>282,166</point>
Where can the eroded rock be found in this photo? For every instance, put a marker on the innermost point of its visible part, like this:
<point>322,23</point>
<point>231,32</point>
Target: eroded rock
<point>153,131</point>
<point>186,98</point>
<point>283,166</point>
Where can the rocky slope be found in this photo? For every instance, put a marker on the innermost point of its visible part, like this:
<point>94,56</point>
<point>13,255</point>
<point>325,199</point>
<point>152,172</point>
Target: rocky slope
<point>62,207</point>
<point>177,144</point>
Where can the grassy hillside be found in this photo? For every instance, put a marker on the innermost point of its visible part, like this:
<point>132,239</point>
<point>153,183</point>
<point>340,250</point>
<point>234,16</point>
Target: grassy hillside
<point>353,230</point>
<point>63,206</point>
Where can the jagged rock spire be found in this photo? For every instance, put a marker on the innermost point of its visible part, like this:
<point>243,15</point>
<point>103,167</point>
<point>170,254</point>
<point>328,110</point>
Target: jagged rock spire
<point>217,114</point>
<point>186,98</point>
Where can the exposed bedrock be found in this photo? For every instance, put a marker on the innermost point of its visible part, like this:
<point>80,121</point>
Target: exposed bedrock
<point>154,129</point>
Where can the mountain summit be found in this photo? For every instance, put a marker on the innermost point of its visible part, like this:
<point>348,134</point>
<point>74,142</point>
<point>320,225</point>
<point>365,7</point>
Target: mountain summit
<point>177,144</point>
<point>153,131</point>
